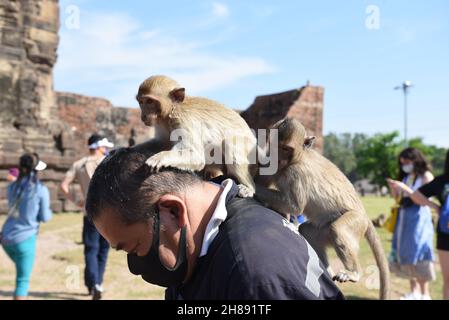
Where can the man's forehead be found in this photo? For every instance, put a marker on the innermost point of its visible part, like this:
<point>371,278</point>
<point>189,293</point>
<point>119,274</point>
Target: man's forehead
<point>108,224</point>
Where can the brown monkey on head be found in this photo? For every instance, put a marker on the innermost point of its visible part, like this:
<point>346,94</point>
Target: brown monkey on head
<point>204,135</point>
<point>308,183</point>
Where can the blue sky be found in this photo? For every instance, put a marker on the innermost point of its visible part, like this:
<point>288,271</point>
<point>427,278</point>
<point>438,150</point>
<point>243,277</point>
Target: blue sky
<point>232,51</point>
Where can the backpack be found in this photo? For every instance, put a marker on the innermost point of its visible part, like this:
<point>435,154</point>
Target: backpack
<point>443,222</point>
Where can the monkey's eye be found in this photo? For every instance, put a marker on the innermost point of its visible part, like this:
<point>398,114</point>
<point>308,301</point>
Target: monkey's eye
<point>145,100</point>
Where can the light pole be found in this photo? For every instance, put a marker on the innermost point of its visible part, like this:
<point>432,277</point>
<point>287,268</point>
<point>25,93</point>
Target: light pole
<point>405,87</point>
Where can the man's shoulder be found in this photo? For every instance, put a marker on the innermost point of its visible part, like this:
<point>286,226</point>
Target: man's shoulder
<point>87,159</point>
<point>248,213</point>
<point>80,162</point>
<point>270,258</point>
<point>258,234</point>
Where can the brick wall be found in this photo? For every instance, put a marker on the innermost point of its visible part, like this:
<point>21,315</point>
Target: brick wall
<point>304,104</point>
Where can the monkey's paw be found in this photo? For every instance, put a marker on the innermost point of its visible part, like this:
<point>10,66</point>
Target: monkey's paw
<point>245,192</point>
<point>345,276</point>
<point>156,162</point>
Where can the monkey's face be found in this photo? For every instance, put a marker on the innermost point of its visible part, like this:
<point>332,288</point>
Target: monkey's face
<point>150,109</point>
<point>285,155</point>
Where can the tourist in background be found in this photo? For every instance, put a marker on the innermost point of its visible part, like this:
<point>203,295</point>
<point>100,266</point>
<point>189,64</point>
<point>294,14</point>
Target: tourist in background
<point>439,188</point>
<point>28,206</point>
<point>412,255</point>
<point>96,248</point>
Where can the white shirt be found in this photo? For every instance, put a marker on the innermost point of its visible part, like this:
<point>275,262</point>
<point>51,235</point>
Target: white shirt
<point>220,214</point>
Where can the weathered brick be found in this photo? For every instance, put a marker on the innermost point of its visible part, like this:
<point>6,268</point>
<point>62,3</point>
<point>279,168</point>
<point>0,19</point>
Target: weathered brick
<point>56,125</point>
<point>304,104</point>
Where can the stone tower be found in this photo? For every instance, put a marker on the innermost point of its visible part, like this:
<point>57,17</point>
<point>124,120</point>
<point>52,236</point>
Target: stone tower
<point>35,118</point>
<point>56,125</point>
<point>304,104</point>
<point>28,110</point>
<point>28,44</point>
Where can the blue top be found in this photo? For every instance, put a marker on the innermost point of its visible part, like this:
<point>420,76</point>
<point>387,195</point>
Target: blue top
<point>33,208</point>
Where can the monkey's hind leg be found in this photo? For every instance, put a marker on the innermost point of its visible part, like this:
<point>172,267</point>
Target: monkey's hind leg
<point>237,161</point>
<point>345,234</point>
<point>317,238</point>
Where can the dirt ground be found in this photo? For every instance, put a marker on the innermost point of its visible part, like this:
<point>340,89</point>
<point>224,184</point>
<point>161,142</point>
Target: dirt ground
<point>59,268</point>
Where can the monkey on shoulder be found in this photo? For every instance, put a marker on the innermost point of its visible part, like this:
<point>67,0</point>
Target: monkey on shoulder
<point>203,134</point>
<point>308,183</point>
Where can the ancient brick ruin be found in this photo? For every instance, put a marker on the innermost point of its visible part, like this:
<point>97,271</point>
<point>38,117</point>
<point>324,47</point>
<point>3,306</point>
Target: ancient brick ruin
<point>35,118</point>
<point>304,104</point>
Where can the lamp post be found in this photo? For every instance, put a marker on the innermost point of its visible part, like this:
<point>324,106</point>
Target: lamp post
<point>405,88</point>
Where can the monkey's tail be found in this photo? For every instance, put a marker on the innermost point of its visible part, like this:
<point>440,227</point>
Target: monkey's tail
<point>382,263</point>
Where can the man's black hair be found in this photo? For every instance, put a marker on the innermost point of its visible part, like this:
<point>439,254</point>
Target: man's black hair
<point>94,138</point>
<point>124,183</point>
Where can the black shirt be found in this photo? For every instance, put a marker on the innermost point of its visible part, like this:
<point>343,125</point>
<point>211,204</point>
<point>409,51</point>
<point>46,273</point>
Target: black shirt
<point>438,187</point>
<point>255,255</point>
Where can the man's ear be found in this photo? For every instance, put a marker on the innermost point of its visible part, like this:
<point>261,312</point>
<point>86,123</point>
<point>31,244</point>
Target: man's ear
<point>309,141</point>
<point>173,208</point>
<point>178,94</point>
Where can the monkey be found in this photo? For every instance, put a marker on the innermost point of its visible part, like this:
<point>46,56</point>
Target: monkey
<point>208,128</point>
<point>308,183</point>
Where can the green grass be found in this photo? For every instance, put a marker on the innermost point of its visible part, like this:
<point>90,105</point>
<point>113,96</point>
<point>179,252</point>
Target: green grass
<point>374,206</point>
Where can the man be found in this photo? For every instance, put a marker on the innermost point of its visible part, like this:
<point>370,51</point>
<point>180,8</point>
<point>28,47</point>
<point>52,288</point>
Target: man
<point>199,239</point>
<point>95,246</point>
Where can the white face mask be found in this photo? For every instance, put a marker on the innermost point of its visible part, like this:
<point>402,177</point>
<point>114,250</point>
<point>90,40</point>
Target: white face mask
<point>407,168</point>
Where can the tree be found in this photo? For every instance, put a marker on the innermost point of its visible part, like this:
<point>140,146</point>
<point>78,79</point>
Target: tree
<point>340,150</point>
<point>377,157</point>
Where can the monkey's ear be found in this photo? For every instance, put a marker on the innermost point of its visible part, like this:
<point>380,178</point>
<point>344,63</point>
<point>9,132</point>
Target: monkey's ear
<point>309,141</point>
<point>178,94</point>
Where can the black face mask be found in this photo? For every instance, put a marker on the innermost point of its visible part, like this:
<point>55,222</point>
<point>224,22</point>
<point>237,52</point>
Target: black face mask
<point>151,267</point>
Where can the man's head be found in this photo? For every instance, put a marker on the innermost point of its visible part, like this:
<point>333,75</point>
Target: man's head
<point>100,144</point>
<point>125,196</point>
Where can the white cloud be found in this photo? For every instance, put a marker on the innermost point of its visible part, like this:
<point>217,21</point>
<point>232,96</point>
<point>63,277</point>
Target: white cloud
<point>111,54</point>
<point>220,10</point>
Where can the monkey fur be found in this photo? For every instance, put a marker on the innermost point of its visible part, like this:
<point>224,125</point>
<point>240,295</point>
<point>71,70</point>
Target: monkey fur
<point>207,126</point>
<point>308,183</point>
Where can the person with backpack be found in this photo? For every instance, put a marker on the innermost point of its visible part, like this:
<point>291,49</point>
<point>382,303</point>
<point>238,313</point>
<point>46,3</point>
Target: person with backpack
<point>438,188</point>
<point>29,205</point>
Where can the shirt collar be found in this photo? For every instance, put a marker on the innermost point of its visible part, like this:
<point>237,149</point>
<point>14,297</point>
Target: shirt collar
<point>218,216</point>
